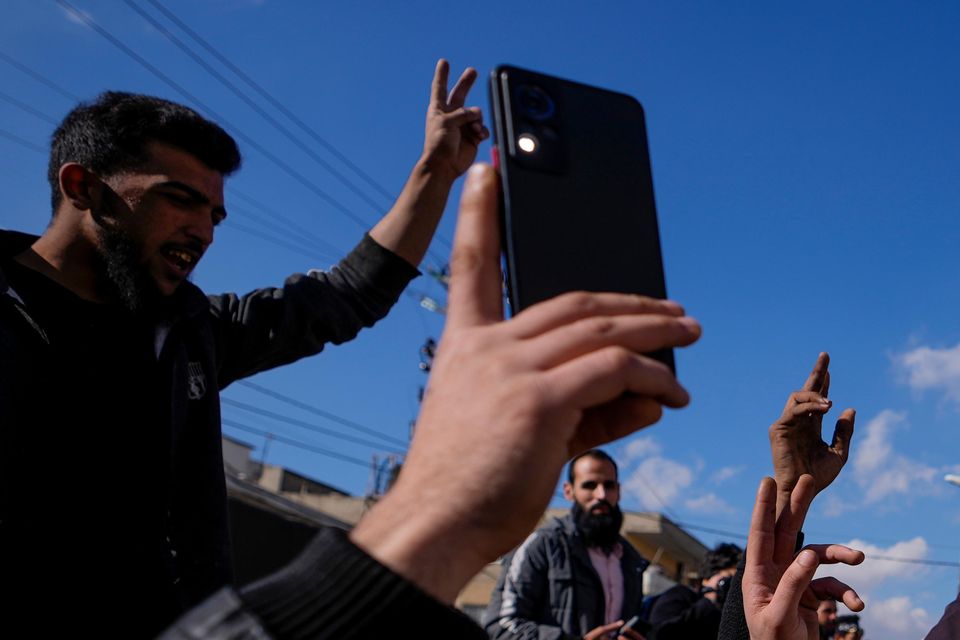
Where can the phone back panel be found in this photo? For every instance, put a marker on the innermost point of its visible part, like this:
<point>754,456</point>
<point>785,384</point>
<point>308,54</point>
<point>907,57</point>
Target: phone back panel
<point>578,211</point>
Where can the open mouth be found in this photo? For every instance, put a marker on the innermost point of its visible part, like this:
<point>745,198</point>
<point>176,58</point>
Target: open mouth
<point>182,259</point>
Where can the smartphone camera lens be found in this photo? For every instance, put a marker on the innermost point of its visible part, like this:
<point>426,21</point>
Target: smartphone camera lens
<point>527,143</point>
<point>534,102</point>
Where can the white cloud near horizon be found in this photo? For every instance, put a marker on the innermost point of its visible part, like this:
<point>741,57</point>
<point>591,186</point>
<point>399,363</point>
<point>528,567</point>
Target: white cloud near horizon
<point>721,475</point>
<point>874,570</point>
<point>879,470</point>
<point>894,618</point>
<point>709,503</point>
<point>657,481</point>
<point>927,368</point>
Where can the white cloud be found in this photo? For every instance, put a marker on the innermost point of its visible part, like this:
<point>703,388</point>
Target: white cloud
<point>657,481</point>
<point>894,618</point>
<point>925,368</point>
<point>881,472</point>
<point>726,473</point>
<point>641,448</point>
<point>709,503</point>
<point>875,570</point>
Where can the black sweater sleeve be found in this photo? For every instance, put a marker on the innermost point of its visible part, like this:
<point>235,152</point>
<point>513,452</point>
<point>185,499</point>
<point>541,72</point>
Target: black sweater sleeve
<point>335,590</point>
<point>332,590</point>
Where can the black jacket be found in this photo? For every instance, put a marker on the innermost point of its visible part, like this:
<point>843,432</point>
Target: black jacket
<point>105,513</point>
<point>680,613</point>
<point>549,589</point>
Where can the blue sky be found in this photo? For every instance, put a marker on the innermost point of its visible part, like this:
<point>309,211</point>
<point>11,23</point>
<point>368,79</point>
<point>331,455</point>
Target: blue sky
<point>805,160</point>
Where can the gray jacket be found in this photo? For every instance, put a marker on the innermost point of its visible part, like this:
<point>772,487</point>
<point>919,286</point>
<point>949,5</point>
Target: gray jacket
<point>549,589</point>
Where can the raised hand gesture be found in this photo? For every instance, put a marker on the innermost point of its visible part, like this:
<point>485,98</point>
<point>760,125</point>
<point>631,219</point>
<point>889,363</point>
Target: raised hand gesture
<point>796,440</point>
<point>453,131</point>
<point>780,597</point>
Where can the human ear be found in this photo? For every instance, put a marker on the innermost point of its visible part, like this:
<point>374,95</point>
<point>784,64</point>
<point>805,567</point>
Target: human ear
<point>81,188</point>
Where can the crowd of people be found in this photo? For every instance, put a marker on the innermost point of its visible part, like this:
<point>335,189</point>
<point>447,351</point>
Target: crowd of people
<point>108,349</point>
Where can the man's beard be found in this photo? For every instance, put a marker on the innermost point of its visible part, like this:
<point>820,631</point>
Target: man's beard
<point>598,530</point>
<point>130,281</point>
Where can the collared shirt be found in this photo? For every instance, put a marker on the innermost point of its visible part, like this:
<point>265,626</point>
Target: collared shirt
<point>611,577</point>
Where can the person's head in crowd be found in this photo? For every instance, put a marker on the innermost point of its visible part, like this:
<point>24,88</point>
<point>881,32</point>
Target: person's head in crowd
<point>594,489</point>
<point>139,180</point>
<point>717,570</point>
<point>827,617</point>
<point>848,628</point>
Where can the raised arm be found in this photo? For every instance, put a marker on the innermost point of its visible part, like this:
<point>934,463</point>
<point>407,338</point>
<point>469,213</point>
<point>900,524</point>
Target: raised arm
<point>453,132</point>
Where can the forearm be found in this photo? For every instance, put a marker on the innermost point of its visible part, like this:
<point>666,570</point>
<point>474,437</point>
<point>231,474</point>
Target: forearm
<point>408,227</point>
<point>417,547</point>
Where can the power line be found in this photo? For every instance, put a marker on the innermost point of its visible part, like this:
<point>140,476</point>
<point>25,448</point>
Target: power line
<point>276,104</point>
<point>250,103</point>
<point>320,412</point>
<point>22,142</point>
<point>294,443</point>
<point>313,255</point>
<point>39,77</point>
<point>25,107</point>
<point>304,425</point>
<point>299,177</point>
<point>297,229</point>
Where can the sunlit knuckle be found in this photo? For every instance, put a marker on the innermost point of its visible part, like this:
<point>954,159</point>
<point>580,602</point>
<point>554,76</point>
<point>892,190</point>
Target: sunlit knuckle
<point>619,359</point>
<point>586,304</point>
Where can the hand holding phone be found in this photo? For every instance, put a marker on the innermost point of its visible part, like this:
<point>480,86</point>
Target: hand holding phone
<point>578,207</point>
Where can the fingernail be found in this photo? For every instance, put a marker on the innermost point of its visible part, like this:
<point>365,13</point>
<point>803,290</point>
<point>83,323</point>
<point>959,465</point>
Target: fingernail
<point>476,170</point>
<point>807,558</point>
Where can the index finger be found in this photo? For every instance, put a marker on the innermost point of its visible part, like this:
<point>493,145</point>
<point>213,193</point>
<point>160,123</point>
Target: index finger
<point>475,286</point>
<point>438,91</point>
<point>815,380</point>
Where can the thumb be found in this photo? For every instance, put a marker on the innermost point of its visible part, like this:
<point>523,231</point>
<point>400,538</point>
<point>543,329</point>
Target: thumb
<point>793,584</point>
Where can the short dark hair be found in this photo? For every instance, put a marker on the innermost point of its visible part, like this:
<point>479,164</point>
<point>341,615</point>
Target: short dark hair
<point>110,135</point>
<point>597,454</point>
<point>723,556</point>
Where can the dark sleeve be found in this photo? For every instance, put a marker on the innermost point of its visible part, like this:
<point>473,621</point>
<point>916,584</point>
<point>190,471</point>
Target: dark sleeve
<point>271,327</point>
<point>948,628</point>
<point>332,590</point>
<point>680,613</point>
<point>733,622</point>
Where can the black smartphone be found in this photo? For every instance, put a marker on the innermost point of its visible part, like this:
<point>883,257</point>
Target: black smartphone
<point>578,208</point>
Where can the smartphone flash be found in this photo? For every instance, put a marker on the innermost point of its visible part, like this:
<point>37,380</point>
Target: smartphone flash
<point>527,143</point>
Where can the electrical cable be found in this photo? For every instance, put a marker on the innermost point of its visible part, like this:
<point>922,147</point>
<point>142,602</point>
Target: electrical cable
<point>294,443</point>
<point>39,77</point>
<point>306,425</point>
<point>299,177</point>
<point>320,412</point>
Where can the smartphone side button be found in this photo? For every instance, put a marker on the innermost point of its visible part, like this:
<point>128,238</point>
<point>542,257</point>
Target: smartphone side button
<point>495,157</point>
